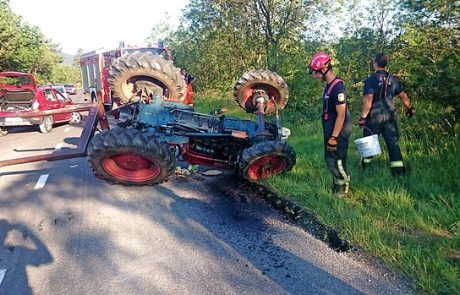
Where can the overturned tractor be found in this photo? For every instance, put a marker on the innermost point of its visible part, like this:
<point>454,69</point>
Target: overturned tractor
<point>155,128</point>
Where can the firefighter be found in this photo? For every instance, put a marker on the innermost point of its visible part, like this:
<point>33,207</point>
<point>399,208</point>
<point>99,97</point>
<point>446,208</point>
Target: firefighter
<point>378,114</point>
<point>336,121</point>
<point>188,81</point>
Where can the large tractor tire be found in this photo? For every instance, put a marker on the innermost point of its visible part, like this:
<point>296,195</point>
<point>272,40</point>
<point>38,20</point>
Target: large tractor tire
<point>265,159</point>
<point>146,71</point>
<point>270,82</point>
<point>127,156</point>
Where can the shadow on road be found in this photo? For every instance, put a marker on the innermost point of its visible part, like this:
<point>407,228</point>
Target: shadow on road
<point>19,248</point>
<point>221,229</point>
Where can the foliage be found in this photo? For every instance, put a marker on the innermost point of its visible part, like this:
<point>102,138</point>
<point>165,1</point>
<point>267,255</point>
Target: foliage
<point>62,74</point>
<point>219,40</point>
<point>10,35</point>
<point>437,64</point>
<point>233,37</point>
<point>76,58</point>
<point>410,223</point>
<point>24,48</point>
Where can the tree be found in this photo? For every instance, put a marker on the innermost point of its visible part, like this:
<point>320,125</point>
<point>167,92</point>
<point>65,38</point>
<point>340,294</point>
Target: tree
<point>382,19</point>
<point>65,74</point>
<point>10,35</point>
<point>24,47</point>
<point>428,51</point>
<point>76,58</point>
<point>216,42</point>
<point>161,31</point>
<point>279,21</point>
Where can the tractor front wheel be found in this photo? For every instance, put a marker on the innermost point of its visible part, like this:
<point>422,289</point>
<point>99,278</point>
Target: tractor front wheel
<point>127,156</point>
<point>272,83</point>
<point>265,159</point>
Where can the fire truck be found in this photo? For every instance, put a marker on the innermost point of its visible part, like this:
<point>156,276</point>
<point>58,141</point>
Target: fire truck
<point>96,65</point>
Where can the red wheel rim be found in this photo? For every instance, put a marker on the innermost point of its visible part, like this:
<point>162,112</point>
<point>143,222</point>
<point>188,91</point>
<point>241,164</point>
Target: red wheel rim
<point>248,102</point>
<point>266,166</point>
<point>131,167</point>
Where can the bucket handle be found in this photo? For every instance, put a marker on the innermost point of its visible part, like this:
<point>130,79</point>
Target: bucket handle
<point>368,130</point>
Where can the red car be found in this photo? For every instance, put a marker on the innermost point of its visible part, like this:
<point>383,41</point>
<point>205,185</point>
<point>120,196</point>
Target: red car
<point>20,95</point>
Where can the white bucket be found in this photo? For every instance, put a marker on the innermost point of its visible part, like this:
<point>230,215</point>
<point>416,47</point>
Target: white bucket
<point>368,146</point>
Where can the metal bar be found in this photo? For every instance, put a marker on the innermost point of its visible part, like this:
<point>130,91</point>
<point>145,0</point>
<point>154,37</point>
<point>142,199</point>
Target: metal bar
<point>199,134</point>
<point>79,151</point>
<point>68,109</point>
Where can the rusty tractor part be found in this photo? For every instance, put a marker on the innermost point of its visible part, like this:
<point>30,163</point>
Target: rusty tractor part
<point>153,132</point>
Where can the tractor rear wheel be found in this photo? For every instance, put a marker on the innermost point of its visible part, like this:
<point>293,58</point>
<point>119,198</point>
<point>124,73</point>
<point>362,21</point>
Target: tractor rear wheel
<point>148,72</point>
<point>265,159</point>
<point>127,156</point>
<point>273,84</point>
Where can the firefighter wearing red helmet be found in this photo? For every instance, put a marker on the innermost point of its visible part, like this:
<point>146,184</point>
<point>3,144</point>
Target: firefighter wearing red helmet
<point>336,121</point>
<point>378,115</point>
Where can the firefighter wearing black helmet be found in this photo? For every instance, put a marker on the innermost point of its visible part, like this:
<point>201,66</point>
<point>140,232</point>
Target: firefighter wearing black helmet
<point>378,114</point>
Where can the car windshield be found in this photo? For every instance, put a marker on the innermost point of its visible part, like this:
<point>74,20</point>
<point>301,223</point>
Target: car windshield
<point>68,85</point>
<point>59,88</point>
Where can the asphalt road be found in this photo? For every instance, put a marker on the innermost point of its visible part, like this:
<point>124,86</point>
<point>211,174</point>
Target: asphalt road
<point>62,231</point>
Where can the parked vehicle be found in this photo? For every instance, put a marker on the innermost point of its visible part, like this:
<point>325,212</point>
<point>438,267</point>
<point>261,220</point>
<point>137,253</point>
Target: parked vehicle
<point>70,89</point>
<point>19,99</point>
<point>61,89</point>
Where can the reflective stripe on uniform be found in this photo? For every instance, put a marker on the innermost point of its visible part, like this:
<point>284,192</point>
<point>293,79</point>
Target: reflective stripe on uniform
<point>346,178</point>
<point>367,160</point>
<point>396,164</point>
<point>339,181</point>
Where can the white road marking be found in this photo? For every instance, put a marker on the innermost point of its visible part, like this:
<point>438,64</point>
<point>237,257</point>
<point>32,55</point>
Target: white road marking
<point>59,146</point>
<point>2,275</point>
<point>41,181</point>
<point>67,129</point>
<point>73,166</point>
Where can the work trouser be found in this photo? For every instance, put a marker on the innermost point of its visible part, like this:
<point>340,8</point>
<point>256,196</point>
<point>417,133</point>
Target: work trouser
<point>382,120</point>
<point>336,161</point>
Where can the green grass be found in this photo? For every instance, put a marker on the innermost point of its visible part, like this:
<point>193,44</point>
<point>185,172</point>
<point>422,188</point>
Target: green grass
<point>413,223</point>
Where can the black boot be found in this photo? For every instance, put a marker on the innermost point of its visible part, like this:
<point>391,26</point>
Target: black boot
<point>366,163</point>
<point>398,171</point>
<point>340,189</point>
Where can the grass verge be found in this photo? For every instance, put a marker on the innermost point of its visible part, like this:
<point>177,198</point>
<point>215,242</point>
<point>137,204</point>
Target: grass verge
<point>412,223</point>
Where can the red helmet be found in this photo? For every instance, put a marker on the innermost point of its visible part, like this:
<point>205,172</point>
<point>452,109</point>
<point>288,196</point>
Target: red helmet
<point>319,61</point>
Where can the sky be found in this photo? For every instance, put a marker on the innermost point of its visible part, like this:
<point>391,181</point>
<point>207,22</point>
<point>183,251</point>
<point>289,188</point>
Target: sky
<point>94,24</point>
